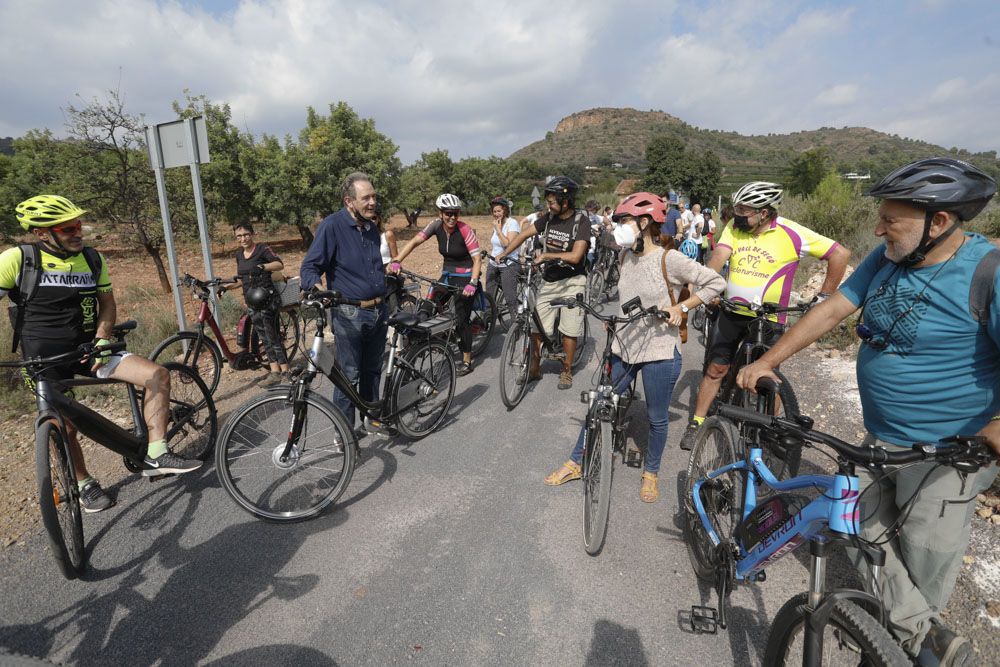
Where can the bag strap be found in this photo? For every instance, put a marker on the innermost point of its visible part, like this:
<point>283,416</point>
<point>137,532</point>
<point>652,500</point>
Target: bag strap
<point>31,261</point>
<point>981,289</point>
<point>666,278</point>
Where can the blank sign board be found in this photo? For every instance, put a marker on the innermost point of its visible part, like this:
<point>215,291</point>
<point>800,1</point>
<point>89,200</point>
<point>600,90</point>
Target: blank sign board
<point>174,143</point>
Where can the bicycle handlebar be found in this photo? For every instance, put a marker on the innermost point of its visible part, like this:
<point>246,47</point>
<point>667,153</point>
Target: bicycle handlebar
<point>635,314</point>
<point>762,309</point>
<point>84,350</point>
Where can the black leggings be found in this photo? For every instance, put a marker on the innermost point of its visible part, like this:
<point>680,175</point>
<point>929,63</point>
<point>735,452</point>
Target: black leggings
<point>507,277</point>
<point>463,308</point>
<point>266,323</point>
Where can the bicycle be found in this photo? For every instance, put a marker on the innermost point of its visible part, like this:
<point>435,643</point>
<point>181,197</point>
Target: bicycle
<point>482,317</point>
<point>289,453</point>
<point>605,424</point>
<point>191,431</point>
<point>732,538</point>
<point>515,356</point>
<point>206,356</point>
<point>604,272</point>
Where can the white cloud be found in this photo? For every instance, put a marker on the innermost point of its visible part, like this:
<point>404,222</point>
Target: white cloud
<point>840,95</point>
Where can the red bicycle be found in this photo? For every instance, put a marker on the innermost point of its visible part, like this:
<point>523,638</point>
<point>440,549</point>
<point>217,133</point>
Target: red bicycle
<point>206,356</point>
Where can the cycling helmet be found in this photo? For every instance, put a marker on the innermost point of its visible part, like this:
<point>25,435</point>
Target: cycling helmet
<point>562,187</point>
<point>642,203</point>
<point>258,298</point>
<point>689,248</point>
<point>502,201</point>
<point>758,194</point>
<point>46,211</point>
<point>447,202</point>
<point>939,184</point>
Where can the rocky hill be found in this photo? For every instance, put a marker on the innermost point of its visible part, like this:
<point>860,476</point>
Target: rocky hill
<point>601,137</point>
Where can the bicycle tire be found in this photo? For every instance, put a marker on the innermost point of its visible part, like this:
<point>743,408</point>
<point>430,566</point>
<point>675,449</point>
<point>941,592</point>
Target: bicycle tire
<point>784,465</point>
<point>597,473</point>
<point>482,321</point>
<point>59,500</point>
<point>595,287</point>
<point>202,354</point>
<point>422,388</point>
<point>192,425</point>
<point>287,325</point>
<point>866,641</point>
<point>319,469</point>
<point>714,447</point>
<point>697,320</point>
<point>514,361</point>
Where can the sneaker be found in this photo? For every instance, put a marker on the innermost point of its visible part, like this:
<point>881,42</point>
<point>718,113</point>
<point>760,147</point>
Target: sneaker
<point>168,463</point>
<point>943,647</point>
<point>271,380</point>
<point>690,433</point>
<point>93,499</point>
<point>565,380</point>
<point>463,369</point>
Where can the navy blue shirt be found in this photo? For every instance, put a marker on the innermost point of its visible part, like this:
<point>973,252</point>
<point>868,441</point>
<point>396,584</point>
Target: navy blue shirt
<point>347,255</point>
<point>669,226</point>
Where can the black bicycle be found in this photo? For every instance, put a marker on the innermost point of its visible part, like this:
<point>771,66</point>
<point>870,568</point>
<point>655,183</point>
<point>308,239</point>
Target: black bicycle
<point>482,317</point>
<point>191,431</point>
<point>515,356</point>
<point>603,274</point>
<point>289,453</point>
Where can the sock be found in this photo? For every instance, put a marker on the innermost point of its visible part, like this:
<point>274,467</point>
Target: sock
<point>697,420</point>
<point>156,449</point>
<point>84,482</point>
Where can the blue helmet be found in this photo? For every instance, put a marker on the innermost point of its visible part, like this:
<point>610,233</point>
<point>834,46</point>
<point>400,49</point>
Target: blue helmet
<point>690,248</point>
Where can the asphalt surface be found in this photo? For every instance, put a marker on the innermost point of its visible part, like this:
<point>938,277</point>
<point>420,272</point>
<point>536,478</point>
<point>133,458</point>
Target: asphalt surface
<point>449,550</point>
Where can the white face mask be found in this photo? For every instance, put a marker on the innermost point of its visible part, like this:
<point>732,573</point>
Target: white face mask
<point>625,236</point>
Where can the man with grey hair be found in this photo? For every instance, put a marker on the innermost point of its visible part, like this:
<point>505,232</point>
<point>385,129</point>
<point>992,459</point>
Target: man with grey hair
<point>346,251</point>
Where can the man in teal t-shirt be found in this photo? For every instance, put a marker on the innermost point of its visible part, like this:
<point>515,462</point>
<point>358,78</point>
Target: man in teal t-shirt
<point>927,369</point>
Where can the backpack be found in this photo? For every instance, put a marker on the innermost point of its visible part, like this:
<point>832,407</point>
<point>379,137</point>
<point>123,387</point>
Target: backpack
<point>31,278</point>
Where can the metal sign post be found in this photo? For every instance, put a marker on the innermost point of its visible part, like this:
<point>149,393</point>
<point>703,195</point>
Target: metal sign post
<point>177,144</point>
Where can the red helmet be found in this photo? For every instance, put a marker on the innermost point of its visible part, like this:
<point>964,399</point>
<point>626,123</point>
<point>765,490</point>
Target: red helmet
<point>642,203</point>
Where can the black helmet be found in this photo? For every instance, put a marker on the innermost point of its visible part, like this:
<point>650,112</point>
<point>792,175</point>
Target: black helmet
<point>939,184</point>
<point>502,201</point>
<point>562,186</point>
<point>258,298</point>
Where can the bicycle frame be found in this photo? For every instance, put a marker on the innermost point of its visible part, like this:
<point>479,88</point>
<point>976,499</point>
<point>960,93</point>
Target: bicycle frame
<point>206,316</point>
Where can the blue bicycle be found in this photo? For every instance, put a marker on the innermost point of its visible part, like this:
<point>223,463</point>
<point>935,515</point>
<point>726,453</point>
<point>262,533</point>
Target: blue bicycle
<point>732,538</point>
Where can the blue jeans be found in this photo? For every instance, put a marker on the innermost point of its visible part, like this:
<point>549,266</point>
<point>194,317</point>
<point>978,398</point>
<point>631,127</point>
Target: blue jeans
<point>359,339</point>
<point>658,380</point>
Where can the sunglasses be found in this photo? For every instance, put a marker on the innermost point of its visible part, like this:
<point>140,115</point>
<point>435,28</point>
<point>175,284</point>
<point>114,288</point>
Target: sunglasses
<point>69,228</point>
<point>450,214</point>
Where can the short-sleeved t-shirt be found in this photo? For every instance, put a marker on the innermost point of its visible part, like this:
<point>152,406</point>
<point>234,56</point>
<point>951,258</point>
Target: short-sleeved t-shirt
<point>511,228</point>
<point>66,300</point>
<point>246,267</point>
<point>560,235</point>
<point>457,248</point>
<point>669,227</point>
<point>762,266</point>
<point>940,374</point>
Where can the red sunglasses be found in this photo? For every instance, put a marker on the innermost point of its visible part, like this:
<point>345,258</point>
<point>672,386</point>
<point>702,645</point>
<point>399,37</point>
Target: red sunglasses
<point>69,228</point>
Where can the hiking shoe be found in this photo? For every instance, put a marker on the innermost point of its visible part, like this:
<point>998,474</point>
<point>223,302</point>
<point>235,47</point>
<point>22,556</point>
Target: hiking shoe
<point>943,647</point>
<point>168,463</point>
<point>272,379</point>
<point>690,433</point>
<point>565,380</point>
<point>93,499</point>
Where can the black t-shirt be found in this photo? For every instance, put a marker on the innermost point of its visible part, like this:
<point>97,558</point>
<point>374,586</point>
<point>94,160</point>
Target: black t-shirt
<point>560,235</point>
<point>246,267</point>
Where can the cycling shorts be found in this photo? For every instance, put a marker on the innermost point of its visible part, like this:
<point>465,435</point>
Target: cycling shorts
<point>729,329</point>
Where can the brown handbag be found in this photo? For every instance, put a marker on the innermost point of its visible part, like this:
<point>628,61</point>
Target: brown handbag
<point>685,293</point>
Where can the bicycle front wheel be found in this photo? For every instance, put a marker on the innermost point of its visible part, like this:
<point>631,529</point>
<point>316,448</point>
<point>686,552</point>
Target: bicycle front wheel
<point>423,385</point>
<point>59,500</point>
<point>595,287</point>
<point>514,361</point>
<point>192,425</point>
<point>722,497</point>
<point>255,471</point>
<point>482,321</point>
<point>851,637</point>
<point>598,467</point>
<point>288,332</point>
<point>198,352</point>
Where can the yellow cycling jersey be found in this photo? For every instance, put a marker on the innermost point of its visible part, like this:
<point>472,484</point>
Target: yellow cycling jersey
<point>762,266</point>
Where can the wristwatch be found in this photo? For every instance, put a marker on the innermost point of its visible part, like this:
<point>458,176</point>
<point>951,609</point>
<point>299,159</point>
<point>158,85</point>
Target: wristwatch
<point>684,308</point>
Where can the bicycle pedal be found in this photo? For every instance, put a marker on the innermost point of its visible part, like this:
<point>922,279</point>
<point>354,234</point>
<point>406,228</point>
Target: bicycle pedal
<point>704,620</point>
<point>760,577</point>
<point>633,458</point>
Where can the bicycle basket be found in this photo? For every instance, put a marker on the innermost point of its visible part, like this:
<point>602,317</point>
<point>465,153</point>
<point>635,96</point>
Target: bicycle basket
<point>288,291</point>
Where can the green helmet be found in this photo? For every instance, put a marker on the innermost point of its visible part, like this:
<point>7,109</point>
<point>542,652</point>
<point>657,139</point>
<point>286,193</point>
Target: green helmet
<point>46,211</point>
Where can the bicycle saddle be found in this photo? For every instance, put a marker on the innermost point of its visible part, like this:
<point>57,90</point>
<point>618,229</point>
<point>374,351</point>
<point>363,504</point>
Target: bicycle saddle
<point>404,320</point>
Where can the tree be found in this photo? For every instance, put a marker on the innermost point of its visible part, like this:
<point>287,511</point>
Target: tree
<point>40,164</point>
<point>702,180</point>
<point>807,170</point>
<point>666,164</point>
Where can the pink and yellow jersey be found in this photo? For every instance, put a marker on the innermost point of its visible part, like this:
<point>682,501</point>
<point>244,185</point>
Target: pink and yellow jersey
<point>762,267</point>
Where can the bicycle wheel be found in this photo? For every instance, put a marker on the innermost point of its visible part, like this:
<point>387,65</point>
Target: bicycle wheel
<point>482,321</point>
<point>722,497</point>
<point>584,345</point>
<point>288,332</point>
<point>193,422</point>
<point>423,385</point>
<point>199,352</point>
<point>514,361</point>
<point>316,472</point>
<point>598,468</point>
<point>697,319</point>
<point>595,287</point>
<point>851,637</point>
<point>784,463</point>
<point>59,500</point>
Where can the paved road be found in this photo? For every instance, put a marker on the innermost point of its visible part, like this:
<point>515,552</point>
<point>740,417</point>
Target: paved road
<point>445,551</point>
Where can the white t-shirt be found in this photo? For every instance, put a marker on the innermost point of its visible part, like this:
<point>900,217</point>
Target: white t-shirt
<point>694,230</point>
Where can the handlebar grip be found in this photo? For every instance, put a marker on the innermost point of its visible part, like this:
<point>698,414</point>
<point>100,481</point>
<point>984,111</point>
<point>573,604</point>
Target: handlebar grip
<point>746,415</point>
<point>564,301</point>
<point>116,346</point>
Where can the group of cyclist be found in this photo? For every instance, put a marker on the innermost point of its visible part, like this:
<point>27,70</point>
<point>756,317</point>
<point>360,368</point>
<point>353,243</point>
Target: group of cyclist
<point>928,367</point>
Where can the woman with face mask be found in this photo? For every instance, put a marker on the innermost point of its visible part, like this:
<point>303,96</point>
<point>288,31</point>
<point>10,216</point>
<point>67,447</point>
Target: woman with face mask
<point>650,346</point>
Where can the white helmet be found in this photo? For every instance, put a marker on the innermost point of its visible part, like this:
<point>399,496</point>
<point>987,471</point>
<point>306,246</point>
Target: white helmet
<point>448,202</point>
<point>758,195</point>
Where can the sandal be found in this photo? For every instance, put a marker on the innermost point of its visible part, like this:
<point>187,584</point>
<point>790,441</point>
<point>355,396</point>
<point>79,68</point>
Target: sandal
<point>463,368</point>
<point>566,473</point>
<point>566,379</point>
<point>649,492</point>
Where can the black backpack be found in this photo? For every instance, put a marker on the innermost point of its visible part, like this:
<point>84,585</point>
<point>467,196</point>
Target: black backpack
<point>31,278</point>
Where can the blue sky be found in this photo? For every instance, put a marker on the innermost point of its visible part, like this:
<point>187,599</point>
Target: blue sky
<point>485,77</point>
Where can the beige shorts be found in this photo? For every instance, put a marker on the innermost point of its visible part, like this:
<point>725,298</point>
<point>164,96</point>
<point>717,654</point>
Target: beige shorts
<point>570,319</point>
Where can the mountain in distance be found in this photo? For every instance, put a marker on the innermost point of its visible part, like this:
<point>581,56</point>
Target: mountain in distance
<point>602,137</point>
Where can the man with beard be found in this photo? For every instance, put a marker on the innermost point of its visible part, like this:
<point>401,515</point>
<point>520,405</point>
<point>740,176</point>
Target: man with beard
<point>763,250</point>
